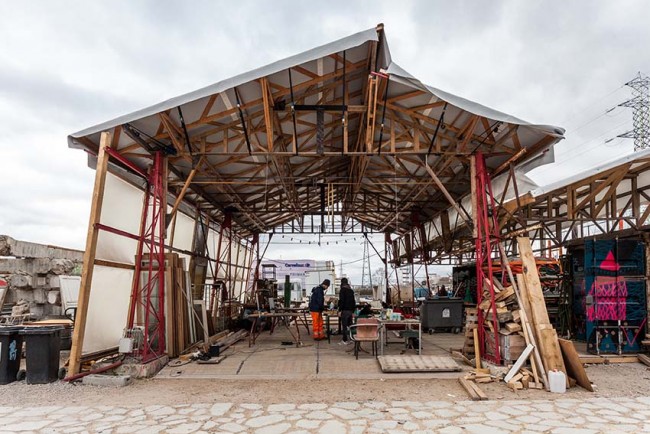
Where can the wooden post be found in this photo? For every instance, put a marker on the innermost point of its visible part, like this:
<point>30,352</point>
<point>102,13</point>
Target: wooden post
<point>472,180</point>
<point>89,255</point>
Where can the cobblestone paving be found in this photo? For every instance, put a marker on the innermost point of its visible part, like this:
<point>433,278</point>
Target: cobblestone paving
<point>616,415</point>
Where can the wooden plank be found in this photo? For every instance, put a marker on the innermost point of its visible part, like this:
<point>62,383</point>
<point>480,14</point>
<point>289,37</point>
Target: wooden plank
<point>513,327</point>
<point>462,357</point>
<point>519,363</point>
<point>479,392</point>
<point>409,363</point>
<point>89,254</point>
<point>474,396</point>
<point>477,351</point>
<point>574,368</point>
<point>547,339</point>
<point>644,359</point>
<point>597,360</point>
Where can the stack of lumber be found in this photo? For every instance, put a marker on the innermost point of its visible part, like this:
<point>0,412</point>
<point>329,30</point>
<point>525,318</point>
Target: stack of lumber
<point>535,320</point>
<point>469,383</point>
<point>230,339</point>
<point>542,343</point>
<point>510,335</point>
<point>177,310</point>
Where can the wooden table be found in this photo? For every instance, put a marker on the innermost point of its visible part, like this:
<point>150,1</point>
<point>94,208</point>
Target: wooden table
<point>301,310</point>
<point>285,318</point>
<point>408,325</point>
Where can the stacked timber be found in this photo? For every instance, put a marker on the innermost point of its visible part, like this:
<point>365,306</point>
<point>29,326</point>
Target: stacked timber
<point>230,339</point>
<point>508,322</point>
<point>183,324</point>
<point>542,344</point>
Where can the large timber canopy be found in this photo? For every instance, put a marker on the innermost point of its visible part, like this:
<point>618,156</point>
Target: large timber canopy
<point>339,129</point>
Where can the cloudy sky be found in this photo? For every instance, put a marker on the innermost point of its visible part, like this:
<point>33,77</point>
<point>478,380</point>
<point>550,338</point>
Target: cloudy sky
<point>67,65</point>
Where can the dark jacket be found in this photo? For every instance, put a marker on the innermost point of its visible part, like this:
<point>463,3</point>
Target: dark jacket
<point>346,298</point>
<point>317,299</point>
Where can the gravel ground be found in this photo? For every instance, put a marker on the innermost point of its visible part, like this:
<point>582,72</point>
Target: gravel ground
<point>622,380</point>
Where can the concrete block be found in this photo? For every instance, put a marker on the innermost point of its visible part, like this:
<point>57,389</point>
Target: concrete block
<point>143,370</point>
<point>107,380</point>
<point>54,281</point>
<point>39,281</point>
<point>26,266</point>
<point>20,281</point>
<point>39,295</point>
<point>54,297</point>
<point>23,294</point>
<point>37,310</point>
<point>62,266</point>
<point>53,310</point>
<point>24,249</point>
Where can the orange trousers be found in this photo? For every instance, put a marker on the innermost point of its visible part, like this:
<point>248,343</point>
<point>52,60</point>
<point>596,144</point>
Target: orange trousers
<point>317,325</point>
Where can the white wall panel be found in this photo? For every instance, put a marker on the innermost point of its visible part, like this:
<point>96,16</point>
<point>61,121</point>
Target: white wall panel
<point>108,307</point>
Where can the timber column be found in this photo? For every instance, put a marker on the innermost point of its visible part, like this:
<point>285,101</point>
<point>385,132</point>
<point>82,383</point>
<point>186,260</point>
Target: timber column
<point>89,255</point>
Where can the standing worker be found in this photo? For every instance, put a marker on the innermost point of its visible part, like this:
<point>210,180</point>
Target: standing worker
<point>347,303</point>
<point>316,307</point>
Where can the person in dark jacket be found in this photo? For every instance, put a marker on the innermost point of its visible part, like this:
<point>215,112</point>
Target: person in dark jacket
<point>347,303</point>
<point>316,307</point>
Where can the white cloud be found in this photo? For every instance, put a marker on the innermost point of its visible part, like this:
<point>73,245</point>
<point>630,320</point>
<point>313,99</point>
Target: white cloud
<point>67,65</point>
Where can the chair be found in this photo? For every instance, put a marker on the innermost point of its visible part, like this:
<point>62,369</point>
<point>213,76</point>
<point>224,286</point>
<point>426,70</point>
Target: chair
<point>365,330</point>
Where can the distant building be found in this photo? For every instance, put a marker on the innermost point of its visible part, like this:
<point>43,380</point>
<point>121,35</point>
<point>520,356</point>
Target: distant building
<point>307,272</point>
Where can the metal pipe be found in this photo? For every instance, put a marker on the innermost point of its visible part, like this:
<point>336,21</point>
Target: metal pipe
<point>94,371</point>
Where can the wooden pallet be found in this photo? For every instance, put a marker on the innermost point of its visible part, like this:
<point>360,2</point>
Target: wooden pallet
<point>411,363</point>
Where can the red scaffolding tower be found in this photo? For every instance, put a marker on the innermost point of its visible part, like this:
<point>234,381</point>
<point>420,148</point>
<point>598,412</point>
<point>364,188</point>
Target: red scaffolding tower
<point>486,234</point>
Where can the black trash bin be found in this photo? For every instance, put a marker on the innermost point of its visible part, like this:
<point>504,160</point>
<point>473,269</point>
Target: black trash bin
<point>11,346</point>
<point>42,348</point>
<point>442,313</point>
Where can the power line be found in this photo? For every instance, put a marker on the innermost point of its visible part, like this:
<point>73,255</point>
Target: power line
<point>640,105</point>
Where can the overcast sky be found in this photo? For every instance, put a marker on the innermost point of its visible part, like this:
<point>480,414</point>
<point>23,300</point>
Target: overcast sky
<point>67,65</point>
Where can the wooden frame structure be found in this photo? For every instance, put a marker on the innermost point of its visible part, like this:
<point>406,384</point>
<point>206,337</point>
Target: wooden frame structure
<point>337,139</point>
<point>611,200</point>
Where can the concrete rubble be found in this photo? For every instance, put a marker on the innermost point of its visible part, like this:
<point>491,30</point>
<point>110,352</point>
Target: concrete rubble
<point>32,273</point>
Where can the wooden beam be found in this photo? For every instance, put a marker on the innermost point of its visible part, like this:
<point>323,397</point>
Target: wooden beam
<point>268,113</point>
<point>474,195</point>
<point>89,254</point>
<point>181,195</point>
<point>451,200</point>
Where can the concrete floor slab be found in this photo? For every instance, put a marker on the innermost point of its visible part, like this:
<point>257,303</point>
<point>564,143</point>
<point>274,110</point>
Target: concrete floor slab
<point>269,358</point>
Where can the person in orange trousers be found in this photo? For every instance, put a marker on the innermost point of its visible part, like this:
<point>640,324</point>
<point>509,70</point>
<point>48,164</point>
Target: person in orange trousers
<point>316,307</point>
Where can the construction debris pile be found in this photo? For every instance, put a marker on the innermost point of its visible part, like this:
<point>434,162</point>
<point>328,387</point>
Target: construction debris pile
<point>31,278</point>
<point>516,315</point>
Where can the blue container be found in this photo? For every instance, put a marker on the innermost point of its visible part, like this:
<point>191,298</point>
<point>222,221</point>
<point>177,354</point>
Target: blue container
<point>613,296</point>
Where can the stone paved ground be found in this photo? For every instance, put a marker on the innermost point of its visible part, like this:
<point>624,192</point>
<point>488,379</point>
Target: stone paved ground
<point>599,415</point>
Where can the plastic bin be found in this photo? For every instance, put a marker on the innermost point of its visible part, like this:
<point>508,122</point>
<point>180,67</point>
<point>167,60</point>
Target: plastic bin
<point>442,313</point>
<point>43,345</point>
<point>11,346</point>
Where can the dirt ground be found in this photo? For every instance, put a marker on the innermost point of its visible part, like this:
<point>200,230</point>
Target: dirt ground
<point>620,380</point>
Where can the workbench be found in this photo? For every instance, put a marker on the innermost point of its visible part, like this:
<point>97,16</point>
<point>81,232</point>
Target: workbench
<point>286,318</point>
<point>301,310</point>
<point>408,325</point>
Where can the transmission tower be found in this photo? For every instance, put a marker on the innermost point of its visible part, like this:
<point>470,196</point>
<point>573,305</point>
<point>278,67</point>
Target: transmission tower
<point>366,276</point>
<point>640,104</point>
